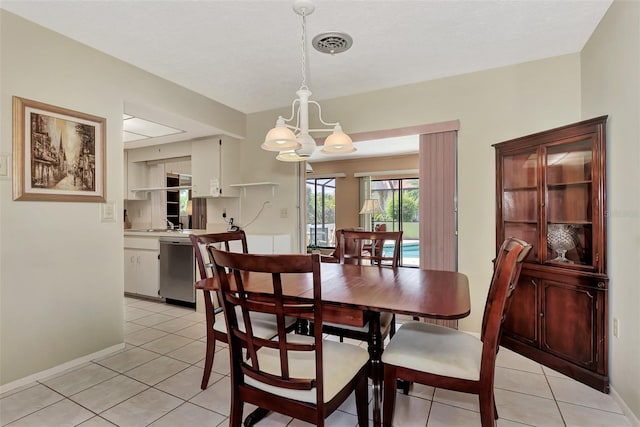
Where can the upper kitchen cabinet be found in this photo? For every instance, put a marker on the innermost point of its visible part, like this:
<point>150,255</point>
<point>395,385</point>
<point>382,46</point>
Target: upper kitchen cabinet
<point>551,192</point>
<point>215,164</point>
<point>144,167</point>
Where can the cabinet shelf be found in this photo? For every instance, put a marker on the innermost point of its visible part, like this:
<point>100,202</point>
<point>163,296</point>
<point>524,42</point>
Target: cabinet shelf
<point>569,184</point>
<point>570,222</point>
<point>527,188</point>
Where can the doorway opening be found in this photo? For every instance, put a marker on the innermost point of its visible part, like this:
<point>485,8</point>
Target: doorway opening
<point>400,201</point>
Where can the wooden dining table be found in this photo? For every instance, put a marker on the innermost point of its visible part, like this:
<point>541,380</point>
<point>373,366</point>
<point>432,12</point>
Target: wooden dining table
<point>356,294</point>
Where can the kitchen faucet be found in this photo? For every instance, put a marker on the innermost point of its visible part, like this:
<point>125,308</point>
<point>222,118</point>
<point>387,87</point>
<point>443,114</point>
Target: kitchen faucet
<point>170,224</point>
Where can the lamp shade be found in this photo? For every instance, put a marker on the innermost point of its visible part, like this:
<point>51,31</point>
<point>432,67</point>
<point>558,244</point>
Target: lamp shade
<point>280,138</point>
<point>371,206</point>
<point>290,156</point>
<point>338,142</point>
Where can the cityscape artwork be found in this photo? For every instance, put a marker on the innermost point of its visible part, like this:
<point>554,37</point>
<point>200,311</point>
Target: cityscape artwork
<point>59,153</point>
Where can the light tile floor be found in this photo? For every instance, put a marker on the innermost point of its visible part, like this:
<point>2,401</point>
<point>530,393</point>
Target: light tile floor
<point>155,381</point>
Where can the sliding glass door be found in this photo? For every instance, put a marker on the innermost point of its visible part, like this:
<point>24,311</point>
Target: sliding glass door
<point>321,212</point>
<point>399,199</point>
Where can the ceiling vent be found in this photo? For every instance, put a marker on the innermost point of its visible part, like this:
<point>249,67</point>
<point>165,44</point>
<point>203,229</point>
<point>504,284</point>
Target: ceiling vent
<point>332,42</point>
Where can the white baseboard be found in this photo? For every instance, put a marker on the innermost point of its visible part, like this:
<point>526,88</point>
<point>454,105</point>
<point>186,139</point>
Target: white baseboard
<point>625,408</point>
<point>60,368</point>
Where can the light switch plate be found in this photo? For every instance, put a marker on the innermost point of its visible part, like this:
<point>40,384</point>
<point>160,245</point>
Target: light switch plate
<point>108,211</point>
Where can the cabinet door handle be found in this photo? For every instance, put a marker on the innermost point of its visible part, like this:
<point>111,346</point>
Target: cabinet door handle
<point>601,285</point>
<point>541,314</point>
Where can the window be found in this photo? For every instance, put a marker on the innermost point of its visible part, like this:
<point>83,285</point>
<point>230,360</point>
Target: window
<point>399,199</point>
<point>321,211</point>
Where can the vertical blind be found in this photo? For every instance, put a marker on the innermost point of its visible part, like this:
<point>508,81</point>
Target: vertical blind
<point>438,204</point>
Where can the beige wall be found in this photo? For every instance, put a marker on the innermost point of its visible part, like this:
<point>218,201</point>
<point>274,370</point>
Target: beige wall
<point>610,85</point>
<point>348,188</point>
<point>492,106</point>
<point>61,268</point>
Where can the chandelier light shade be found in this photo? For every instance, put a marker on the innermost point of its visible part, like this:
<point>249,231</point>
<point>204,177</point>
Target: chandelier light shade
<point>280,138</point>
<point>291,137</point>
<point>289,156</point>
<point>338,142</point>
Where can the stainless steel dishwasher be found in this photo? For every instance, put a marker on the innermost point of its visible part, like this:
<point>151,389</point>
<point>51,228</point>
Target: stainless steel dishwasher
<point>177,271</point>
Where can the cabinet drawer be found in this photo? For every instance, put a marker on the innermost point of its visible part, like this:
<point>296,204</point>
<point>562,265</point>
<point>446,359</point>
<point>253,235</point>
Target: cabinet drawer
<point>142,243</point>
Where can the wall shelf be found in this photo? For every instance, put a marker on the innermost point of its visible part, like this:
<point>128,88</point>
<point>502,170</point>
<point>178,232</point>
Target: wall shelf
<point>244,187</point>
<point>180,187</point>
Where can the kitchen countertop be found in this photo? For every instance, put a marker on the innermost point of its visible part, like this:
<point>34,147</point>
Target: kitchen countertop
<point>160,233</point>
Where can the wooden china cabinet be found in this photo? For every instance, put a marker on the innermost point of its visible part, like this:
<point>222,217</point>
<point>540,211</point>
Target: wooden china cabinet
<point>551,192</point>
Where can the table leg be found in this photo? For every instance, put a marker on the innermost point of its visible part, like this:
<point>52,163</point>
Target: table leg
<point>375,353</point>
<point>254,417</point>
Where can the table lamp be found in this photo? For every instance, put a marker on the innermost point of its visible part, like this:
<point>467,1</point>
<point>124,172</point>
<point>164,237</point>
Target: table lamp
<point>370,207</point>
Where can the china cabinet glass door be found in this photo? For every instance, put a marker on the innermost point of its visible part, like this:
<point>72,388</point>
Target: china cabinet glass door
<point>519,198</point>
<point>569,190</point>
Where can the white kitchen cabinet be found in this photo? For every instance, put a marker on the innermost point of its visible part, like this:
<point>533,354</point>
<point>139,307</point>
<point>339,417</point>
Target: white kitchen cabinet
<point>142,266</point>
<point>215,164</point>
<point>265,244</point>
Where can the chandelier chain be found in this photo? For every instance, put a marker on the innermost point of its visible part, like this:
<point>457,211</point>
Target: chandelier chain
<point>304,50</point>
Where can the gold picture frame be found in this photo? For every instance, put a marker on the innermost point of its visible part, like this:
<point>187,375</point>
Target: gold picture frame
<point>58,154</point>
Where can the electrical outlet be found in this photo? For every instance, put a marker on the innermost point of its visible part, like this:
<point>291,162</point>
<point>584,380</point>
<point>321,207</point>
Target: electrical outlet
<point>284,213</point>
<point>616,327</point>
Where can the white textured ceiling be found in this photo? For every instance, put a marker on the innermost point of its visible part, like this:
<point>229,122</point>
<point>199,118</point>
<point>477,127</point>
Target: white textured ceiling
<point>246,54</point>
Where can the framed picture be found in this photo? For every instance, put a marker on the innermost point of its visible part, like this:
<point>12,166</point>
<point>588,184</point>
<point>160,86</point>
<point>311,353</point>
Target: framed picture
<point>58,154</point>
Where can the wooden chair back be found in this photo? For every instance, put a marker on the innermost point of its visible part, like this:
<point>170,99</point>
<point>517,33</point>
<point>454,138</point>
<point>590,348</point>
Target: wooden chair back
<point>506,273</point>
<point>342,246</point>
<point>275,303</point>
<point>376,239</point>
<point>202,241</point>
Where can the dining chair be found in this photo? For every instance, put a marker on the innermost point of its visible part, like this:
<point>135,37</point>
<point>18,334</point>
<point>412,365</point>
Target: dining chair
<point>447,358</point>
<point>217,331</point>
<point>374,242</point>
<point>304,377</point>
<point>377,245</point>
<point>355,240</point>
<point>341,246</point>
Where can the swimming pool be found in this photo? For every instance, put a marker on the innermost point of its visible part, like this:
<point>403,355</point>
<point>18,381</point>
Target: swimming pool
<point>409,252</point>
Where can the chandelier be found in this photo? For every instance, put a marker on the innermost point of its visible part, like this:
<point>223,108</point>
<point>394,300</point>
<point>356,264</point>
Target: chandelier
<point>290,138</point>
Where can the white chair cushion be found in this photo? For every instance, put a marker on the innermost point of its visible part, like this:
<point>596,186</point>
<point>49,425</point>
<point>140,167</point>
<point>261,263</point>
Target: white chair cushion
<point>340,363</point>
<point>385,323</point>
<point>435,349</point>
<point>264,324</point>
